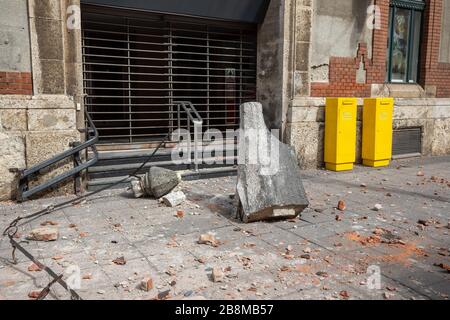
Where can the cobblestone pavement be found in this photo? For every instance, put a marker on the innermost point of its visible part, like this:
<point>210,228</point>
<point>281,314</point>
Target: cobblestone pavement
<point>325,254</point>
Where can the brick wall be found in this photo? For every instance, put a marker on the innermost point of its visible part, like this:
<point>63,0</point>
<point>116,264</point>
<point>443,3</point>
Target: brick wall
<point>433,72</point>
<point>16,83</point>
<point>342,77</point>
<point>342,71</point>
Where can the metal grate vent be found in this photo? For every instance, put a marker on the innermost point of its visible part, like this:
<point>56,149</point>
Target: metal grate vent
<point>137,64</point>
<point>407,141</point>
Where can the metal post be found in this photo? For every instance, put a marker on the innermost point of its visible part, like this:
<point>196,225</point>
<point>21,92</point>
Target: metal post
<point>197,138</point>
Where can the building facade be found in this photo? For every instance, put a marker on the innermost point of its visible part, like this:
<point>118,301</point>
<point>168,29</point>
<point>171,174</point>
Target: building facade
<point>128,62</point>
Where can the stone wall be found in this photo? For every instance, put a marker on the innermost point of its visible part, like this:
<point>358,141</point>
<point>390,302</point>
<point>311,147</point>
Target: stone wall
<point>43,122</point>
<point>306,124</point>
<point>33,129</point>
<point>15,60</point>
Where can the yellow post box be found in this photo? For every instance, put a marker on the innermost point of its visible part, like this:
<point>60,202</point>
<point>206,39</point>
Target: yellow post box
<point>377,131</point>
<point>340,133</point>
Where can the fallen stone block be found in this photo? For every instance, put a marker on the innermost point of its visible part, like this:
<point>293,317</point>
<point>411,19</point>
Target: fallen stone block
<point>157,182</point>
<point>269,184</point>
<point>160,181</point>
<point>44,234</point>
<point>174,199</point>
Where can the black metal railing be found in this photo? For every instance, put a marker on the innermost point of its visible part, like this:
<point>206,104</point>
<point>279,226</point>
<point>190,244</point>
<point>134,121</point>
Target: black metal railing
<point>25,176</point>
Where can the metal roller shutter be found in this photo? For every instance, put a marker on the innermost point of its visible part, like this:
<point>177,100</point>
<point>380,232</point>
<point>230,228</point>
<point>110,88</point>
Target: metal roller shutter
<point>137,64</point>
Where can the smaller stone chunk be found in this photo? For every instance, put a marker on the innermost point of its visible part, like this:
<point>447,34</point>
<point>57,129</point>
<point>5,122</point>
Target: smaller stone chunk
<point>217,274</point>
<point>174,199</point>
<point>208,238</point>
<point>147,284</point>
<point>137,189</point>
<point>44,234</point>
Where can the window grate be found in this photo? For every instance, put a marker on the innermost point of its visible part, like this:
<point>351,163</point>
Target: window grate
<point>407,141</point>
<point>136,65</point>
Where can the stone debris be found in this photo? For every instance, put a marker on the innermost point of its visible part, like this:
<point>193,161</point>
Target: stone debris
<point>424,223</point>
<point>164,295</point>
<point>341,205</point>
<point>209,239</point>
<point>49,223</point>
<point>377,207</point>
<point>44,234</point>
<point>157,182</point>
<point>120,261</point>
<point>147,284</point>
<point>34,268</point>
<point>174,199</point>
<point>34,294</point>
<point>180,214</point>
<point>136,186</point>
<point>443,266</point>
<point>344,294</point>
<point>322,274</point>
<point>217,274</point>
<point>269,183</point>
<point>387,295</point>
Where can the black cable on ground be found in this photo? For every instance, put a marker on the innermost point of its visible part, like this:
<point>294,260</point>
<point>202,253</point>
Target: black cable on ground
<point>11,230</point>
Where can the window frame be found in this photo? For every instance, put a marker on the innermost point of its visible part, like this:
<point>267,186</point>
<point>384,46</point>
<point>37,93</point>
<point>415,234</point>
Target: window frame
<point>413,6</point>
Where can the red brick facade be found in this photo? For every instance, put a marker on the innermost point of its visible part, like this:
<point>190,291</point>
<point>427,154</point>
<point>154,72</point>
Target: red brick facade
<point>433,72</point>
<point>16,83</point>
<point>342,77</point>
<point>342,70</point>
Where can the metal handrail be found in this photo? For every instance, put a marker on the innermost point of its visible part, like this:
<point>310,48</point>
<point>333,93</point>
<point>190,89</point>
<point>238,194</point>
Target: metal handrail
<point>23,189</point>
<point>196,119</point>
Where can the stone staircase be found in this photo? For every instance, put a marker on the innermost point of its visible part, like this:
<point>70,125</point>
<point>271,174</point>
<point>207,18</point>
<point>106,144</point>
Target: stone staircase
<point>114,166</point>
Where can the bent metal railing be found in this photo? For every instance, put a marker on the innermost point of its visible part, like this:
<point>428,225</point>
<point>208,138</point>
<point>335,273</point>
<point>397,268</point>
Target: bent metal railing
<point>192,117</point>
<point>24,192</point>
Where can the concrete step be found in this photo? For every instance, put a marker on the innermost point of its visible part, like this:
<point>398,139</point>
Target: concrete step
<point>221,161</point>
<point>187,175</point>
<point>115,165</point>
<point>139,156</point>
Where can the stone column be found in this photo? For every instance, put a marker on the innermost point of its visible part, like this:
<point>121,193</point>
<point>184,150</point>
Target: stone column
<point>283,58</point>
<point>51,113</point>
<point>302,41</point>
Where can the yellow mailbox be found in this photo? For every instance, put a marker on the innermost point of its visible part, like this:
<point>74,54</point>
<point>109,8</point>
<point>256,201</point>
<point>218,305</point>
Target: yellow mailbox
<point>377,131</point>
<point>340,133</point>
